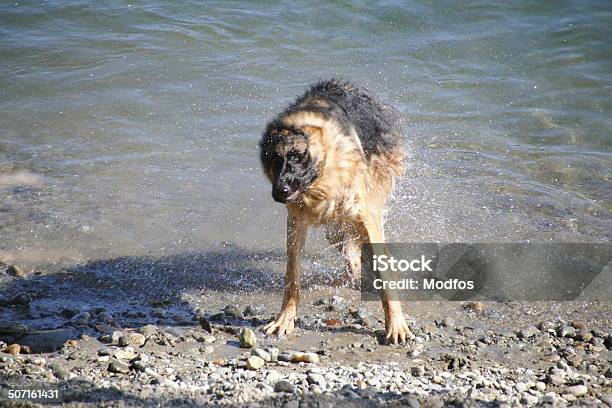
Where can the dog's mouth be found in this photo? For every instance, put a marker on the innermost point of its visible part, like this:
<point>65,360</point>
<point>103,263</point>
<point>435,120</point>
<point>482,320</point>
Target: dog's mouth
<point>293,196</point>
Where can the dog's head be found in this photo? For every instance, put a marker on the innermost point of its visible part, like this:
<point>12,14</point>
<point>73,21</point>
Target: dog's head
<point>290,159</point>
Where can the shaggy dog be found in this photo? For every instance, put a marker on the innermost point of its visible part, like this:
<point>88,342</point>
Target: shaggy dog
<point>332,157</point>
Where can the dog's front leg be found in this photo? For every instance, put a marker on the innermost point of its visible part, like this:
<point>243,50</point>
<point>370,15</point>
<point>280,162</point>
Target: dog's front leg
<point>396,329</point>
<point>296,237</point>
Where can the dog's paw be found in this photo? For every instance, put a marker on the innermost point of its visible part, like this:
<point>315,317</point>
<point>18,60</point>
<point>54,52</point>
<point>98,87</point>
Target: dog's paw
<point>397,330</point>
<point>282,326</point>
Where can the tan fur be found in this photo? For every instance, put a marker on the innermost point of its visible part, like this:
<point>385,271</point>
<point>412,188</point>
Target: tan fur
<point>348,198</point>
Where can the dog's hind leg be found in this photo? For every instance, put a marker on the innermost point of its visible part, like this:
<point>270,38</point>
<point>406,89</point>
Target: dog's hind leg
<point>346,240</point>
<point>370,227</point>
<point>296,238</point>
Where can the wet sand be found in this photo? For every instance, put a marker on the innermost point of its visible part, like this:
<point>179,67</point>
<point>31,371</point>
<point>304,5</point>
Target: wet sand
<point>79,328</point>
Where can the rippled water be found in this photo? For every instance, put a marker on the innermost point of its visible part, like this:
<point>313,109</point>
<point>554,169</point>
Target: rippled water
<point>139,120</point>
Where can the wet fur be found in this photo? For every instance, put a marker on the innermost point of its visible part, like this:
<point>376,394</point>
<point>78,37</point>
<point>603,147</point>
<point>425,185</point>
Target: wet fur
<point>354,153</point>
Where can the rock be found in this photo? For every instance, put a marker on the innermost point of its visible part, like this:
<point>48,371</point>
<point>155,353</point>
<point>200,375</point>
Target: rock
<point>315,378</point>
<point>528,332</point>
<point>132,339</point>
<point>284,386</point>
<point>261,353</point>
<point>255,362</point>
<point>305,358</point>
<point>476,307</point>
<point>273,352</point>
<point>608,342</point>
<point>205,324</point>
<point>13,349</point>
<point>247,338</point>
<point>13,271</point>
<point>540,386</point>
<point>60,372</point>
<point>550,398</point>
<point>583,336</point>
<point>118,367</point>
<point>566,331</point>
<point>337,304</point>
<point>148,331</point>
<point>448,323</point>
<point>284,357</point>
<point>252,311</point>
<point>233,312</point>
<point>332,322</point>
<point>578,390</point>
<point>555,379</point>
<point>208,349</point>
<point>578,325</point>
<point>417,371</point>
<point>126,353</point>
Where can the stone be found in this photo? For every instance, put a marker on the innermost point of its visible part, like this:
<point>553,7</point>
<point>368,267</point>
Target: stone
<point>578,390</point>
<point>255,362</point>
<point>132,339</point>
<point>261,353</point>
<point>305,358</point>
<point>247,338</point>
<point>528,332</point>
<point>315,378</point>
<point>578,325</point>
<point>284,386</point>
<point>417,371</point>
<point>273,352</point>
<point>13,349</point>
<point>566,331</point>
<point>476,307</point>
<point>233,312</point>
<point>148,331</point>
<point>116,366</point>
<point>583,336</point>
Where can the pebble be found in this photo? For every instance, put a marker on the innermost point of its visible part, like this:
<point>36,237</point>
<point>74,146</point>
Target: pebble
<point>261,353</point>
<point>315,378</point>
<point>284,386</point>
<point>233,312</point>
<point>255,362</point>
<point>132,339</point>
<point>578,390</point>
<point>477,307</point>
<point>305,358</point>
<point>566,331</point>
<point>577,324</point>
<point>247,338</point>
<point>60,372</point>
<point>148,331</point>
<point>116,366</point>
<point>528,332</point>
<point>448,322</point>
<point>13,349</point>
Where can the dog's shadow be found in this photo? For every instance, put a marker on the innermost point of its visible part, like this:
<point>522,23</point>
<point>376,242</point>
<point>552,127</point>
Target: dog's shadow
<point>133,291</point>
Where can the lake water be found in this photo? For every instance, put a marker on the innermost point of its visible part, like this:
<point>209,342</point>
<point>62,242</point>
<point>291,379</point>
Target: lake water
<point>138,121</point>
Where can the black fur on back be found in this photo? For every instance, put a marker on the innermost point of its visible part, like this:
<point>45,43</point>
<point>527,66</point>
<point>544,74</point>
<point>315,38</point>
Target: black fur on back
<point>376,124</point>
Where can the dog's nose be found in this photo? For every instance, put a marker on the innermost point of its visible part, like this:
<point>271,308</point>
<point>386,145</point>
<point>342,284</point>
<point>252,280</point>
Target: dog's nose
<point>280,193</point>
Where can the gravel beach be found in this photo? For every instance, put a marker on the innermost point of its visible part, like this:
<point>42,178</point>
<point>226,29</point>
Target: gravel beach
<point>119,348</point>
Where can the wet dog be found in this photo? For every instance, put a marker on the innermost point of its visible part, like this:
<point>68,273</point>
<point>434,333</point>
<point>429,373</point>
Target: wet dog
<point>332,157</point>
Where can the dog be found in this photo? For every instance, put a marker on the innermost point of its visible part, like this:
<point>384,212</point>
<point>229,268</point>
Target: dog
<point>332,158</point>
